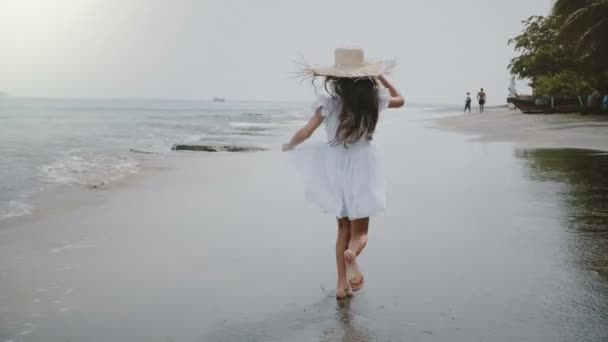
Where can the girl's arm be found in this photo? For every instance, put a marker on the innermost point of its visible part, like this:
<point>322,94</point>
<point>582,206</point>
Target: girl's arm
<point>305,132</point>
<point>397,100</point>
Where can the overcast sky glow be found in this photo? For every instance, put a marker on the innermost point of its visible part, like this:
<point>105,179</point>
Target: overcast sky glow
<point>243,49</point>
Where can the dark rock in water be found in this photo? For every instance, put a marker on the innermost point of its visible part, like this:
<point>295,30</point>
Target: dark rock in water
<point>216,148</point>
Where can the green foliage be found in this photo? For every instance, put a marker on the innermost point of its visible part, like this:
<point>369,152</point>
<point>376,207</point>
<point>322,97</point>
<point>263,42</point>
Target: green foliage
<point>585,25</point>
<point>553,64</point>
<point>567,7</point>
<point>540,55</point>
<point>562,84</point>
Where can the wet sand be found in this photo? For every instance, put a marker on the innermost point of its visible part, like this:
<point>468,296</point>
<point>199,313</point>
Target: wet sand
<point>482,241</point>
<point>551,131</point>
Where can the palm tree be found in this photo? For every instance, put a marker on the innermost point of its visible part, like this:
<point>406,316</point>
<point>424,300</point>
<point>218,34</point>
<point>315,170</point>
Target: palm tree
<point>567,7</point>
<point>585,24</point>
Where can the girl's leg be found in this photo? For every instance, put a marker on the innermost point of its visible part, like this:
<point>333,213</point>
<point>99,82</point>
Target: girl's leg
<point>358,240</point>
<point>342,242</point>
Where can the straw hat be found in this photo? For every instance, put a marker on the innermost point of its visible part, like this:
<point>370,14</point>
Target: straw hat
<point>350,62</point>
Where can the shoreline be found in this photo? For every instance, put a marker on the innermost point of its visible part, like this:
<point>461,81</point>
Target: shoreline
<point>225,246</point>
<point>496,124</point>
<point>96,142</point>
<point>43,202</point>
<point>40,201</point>
<point>531,130</point>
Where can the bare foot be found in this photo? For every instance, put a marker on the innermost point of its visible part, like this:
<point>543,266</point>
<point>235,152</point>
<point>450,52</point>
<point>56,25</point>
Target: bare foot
<point>343,291</point>
<point>353,274</point>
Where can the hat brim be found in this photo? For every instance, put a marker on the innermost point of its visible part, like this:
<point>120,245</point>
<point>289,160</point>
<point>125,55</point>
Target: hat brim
<point>364,70</point>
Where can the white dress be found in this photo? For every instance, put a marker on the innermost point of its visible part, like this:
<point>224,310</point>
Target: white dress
<point>344,181</point>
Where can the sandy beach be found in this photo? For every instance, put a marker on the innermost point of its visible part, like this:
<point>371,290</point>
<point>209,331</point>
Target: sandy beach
<point>224,247</point>
<point>145,195</point>
<point>557,130</point>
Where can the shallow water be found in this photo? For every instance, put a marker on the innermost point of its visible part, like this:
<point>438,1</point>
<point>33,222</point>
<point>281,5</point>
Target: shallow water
<point>91,142</point>
<point>583,198</point>
<point>481,242</point>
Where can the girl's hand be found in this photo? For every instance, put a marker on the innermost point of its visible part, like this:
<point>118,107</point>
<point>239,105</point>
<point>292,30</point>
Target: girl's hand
<point>305,132</point>
<point>396,100</point>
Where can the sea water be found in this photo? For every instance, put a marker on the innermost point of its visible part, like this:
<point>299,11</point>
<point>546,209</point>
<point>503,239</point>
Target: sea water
<point>83,142</point>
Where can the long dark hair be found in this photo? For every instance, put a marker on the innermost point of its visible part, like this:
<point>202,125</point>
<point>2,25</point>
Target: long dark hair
<point>358,98</point>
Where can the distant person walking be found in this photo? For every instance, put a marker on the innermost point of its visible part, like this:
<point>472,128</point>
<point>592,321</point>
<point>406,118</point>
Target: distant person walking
<point>467,103</point>
<point>481,96</point>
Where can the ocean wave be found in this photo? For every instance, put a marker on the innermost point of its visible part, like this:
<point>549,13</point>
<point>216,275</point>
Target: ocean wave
<point>88,169</point>
<point>296,123</point>
<point>134,150</point>
<point>243,132</point>
<point>253,125</point>
<point>421,108</point>
<point>263,125</point>
<point>16,207</point>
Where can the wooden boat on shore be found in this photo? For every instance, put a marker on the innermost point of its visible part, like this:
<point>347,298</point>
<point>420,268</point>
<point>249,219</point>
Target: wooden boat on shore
<point>547,105</point>
<point>526,104</point>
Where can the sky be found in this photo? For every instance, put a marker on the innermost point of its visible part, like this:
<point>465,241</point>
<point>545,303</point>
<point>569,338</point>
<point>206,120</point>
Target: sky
<point>248,50</point>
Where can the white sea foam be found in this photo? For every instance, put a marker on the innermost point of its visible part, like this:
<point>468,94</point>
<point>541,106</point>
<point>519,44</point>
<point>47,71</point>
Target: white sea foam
<point>296,123</point>
<point>419,108</point>
<point>88,142</point>
<point>88,169</point>
<point>67,246</point>
<point>15,208</point>
<point>257,125</point>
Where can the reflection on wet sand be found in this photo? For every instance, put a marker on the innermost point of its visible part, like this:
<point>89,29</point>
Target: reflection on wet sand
<point>337,321</point>
<point>349,327</point>
<point>584,198</point>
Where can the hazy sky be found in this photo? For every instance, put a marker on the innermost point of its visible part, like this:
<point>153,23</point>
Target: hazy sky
<point>245,49</point>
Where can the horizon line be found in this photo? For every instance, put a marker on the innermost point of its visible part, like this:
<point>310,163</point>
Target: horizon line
<point>210,100</point>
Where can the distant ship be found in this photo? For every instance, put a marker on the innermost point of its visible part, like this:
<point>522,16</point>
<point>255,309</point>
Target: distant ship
<point>3,94</point>
<point>219,99</point>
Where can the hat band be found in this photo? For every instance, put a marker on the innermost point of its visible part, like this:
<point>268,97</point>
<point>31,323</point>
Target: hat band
<point>339,65</point>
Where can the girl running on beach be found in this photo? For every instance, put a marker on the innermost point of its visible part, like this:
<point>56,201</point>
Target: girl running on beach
<point>344,175</point>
